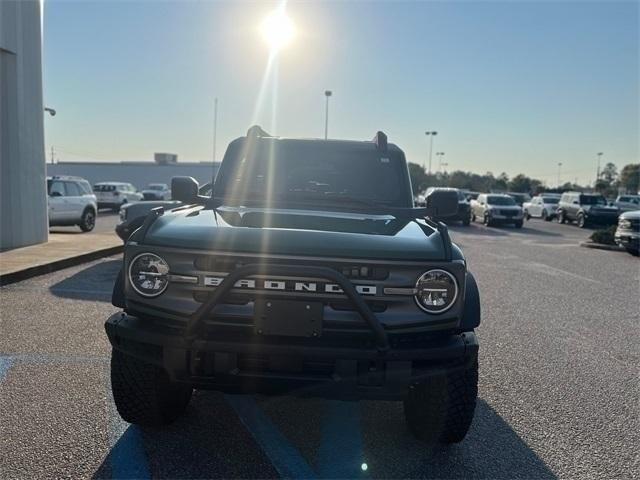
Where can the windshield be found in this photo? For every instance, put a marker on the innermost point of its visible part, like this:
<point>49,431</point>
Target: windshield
<point>592,200</point>
<point>156,187</point>
<point>309,172</point>
<point>551,200</point>
<point>500,200</point>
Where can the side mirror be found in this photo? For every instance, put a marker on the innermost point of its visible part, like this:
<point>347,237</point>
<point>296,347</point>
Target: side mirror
<point>55,194</point>
<point>184,189</point>
<point>442,203</point>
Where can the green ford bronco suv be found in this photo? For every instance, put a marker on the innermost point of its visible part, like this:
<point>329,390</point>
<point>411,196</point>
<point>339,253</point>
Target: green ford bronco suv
<point>307,272</point>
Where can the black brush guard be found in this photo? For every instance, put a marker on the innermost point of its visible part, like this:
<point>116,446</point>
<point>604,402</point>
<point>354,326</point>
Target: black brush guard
<point>197,319</point>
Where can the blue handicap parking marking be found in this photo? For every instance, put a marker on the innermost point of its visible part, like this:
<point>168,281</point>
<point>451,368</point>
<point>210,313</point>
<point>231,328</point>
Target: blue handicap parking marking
<point>5,365</point>
<point>286,459</point>
<point>341,451</point>
<point>128,458</point>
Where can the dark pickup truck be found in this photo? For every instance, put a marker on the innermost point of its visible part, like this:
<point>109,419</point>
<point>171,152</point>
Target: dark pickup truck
<point>307,271</point>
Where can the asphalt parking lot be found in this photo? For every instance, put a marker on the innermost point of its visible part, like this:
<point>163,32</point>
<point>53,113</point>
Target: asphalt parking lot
<point>558,384</point>
<point>106,222</point>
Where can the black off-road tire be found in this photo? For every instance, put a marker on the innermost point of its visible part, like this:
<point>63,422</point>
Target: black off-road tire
<point>633,251</point>
<point>87,220</point>
<point>561,217</point>
<point>581,221</point>
<point>487,220</point>
<point>441,409</point>
<point>518,224</point>
<point>143,393</point>
<point>545,216</point>
<point>466,221</point>
<point>526,215</point>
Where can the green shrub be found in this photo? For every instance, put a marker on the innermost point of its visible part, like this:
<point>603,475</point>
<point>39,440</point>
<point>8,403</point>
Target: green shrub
<point>605,236</point>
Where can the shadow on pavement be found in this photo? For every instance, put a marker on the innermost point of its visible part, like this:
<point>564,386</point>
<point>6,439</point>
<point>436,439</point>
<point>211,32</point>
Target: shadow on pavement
<point>211,442</point>
<point>534,231</point>
<point>478,229</point>
<point>207,442</point>
<point>492,449</point>
<point>94,283</point>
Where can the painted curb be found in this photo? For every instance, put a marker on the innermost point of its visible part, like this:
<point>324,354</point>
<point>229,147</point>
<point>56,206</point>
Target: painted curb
<point>67,262</point>
<point>602,246</point>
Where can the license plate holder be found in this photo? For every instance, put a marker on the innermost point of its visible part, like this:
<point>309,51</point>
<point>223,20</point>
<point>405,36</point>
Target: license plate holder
<point>291,318</point>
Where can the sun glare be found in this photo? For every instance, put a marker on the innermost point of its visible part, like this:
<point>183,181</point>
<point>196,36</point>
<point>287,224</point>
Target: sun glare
<point>277,30</point>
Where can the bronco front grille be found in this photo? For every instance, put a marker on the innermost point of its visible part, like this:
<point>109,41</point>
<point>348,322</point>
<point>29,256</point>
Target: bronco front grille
<point>221,264</point>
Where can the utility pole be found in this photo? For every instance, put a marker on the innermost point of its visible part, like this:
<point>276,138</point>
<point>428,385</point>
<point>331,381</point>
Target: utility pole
<point>52,153</point>
<point>215,126</point>
<point>559,166</point>
<point>430,135</point>
<point>327,94</point>
<point>598,169</point>
<point>440,155</point>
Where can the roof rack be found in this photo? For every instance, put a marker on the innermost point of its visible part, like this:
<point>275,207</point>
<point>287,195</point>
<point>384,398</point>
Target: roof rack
<point>257,131</point>
<point>380,140</point>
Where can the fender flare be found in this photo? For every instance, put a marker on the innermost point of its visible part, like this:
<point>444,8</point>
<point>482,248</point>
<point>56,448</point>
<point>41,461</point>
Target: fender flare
<point>471,311</point>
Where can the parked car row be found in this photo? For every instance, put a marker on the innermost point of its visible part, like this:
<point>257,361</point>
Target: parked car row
<point>72,201</point>
<point>583,209</point>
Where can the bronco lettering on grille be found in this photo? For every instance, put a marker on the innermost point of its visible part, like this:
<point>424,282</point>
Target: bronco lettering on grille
<point>290,286</point>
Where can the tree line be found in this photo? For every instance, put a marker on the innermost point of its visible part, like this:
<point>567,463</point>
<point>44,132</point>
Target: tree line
<point>609,182</point>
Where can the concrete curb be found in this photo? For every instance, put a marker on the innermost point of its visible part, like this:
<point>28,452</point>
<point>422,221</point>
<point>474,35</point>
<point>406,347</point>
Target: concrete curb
<point>602,246</point>
<point>44,268</point>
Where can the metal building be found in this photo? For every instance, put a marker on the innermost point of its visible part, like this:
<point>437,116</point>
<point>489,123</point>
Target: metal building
<point>140,174</point>
<point>23,198</point>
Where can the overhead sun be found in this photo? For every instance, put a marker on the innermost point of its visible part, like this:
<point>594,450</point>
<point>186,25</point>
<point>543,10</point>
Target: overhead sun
<point>277,30</point>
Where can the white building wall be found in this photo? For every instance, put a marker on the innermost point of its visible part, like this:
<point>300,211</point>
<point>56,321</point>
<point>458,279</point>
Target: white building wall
<point>139,174</point>
<point>23,198</point>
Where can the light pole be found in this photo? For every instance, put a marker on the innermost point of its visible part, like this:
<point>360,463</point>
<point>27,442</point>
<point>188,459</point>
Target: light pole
<point>440,155</point>
<point>215,126</point>
<point>559,166</point>
<point>52,112</point>
<point>327,94</point>
<point>430,135</point>
<point>598,169</point>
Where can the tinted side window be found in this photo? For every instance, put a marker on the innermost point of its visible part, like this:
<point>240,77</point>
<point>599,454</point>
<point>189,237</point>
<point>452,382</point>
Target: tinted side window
<point>72,189</point>
<point>57,187</point>
<point>85,188</point>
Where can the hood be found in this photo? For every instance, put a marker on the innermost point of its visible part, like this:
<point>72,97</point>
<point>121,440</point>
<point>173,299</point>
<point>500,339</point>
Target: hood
<point>602,208</point>
<point>297,232</point>
<point>632,215</point>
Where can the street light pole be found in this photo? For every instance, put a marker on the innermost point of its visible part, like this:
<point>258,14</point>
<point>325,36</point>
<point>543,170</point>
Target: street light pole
<point>327,94</point>
<point>215,126</point>
<point>430,135</point>
<point>598,169</point>
<point>559,166</point>
<point>440,155</point>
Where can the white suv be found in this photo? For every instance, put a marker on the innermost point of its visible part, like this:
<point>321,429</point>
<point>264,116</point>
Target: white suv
<point>157,191</point>
<point>115,194</point>
<point>71,202</point>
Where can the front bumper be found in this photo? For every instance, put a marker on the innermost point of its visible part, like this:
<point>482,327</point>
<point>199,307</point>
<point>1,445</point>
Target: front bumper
<point>497,218</point>
<point>628,238</point>
<point>263,365</point>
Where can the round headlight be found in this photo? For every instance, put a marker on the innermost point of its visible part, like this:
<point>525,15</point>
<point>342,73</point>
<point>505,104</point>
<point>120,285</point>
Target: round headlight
<point>149,274</point>
<point>436,291</point>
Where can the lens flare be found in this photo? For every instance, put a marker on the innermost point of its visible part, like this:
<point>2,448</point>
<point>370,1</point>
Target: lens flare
<point>277,30</point>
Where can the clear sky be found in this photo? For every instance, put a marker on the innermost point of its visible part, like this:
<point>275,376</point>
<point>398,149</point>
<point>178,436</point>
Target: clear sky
<point>509,86</point>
